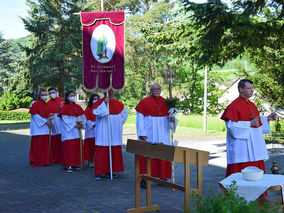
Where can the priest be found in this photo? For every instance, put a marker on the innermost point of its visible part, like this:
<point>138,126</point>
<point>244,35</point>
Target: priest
<point>153,123</point>
<point>245,128</point>
<point>115,116</point>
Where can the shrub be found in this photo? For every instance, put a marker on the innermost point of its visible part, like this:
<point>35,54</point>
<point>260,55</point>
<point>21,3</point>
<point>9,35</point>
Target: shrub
<point>7,115</point>
<point>10,101</point>
<point>231,203</point>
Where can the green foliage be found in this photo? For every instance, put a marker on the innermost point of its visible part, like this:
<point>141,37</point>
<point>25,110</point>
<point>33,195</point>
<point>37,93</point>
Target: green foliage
<point>10,101</point>
<point>172,102</point>
<point>14,115</point>
<point>231,203</point>
<point>54,56</point>
<point>253,28</point>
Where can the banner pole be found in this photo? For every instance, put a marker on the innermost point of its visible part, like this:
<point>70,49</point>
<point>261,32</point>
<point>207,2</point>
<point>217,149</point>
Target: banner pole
<point>109,141</point>
<point>102,5</point>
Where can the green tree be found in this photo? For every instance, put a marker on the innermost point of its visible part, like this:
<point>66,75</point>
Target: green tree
<point>254,28</point>
<point>54,57</point>
<point>6,60</point>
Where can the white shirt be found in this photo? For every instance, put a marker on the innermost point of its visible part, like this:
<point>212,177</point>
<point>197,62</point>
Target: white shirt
<point>245,143</point>
<point>157,129</point>
<point>38,125</point>
<point>68,130</point>
<point>116,126</point>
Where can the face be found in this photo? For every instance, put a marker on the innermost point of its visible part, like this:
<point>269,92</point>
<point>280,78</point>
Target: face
<point>110,93</point>
<point>247,91</point>
<point>156,90</point>
<point>43,93</point>
<point>95,98</point>
<point>71,95</point>
<point>51,92</point>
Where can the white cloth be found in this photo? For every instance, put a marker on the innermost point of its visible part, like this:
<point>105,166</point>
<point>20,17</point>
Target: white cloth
<point>116,126</point>
<point>56,125</point>
<point>38,125</point>
<point>251,190</point>
<point>68,130</point>
<point>90,129</point>
<point>245,143</point>
<point>157,129</point>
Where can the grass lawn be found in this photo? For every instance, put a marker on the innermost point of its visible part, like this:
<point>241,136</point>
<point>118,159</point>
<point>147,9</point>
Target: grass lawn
<point>189,126</point>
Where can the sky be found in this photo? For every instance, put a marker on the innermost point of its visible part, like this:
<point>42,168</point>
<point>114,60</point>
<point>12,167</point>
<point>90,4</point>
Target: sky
<point>11,26</point>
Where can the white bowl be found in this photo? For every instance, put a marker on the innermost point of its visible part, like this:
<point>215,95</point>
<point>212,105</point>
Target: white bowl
<point>252,173</point>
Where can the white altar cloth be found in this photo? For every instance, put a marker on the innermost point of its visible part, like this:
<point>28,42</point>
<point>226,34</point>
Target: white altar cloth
<point>251,190</point>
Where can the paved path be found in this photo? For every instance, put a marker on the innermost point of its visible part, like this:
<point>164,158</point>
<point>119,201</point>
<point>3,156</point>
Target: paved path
<point>52,189</point>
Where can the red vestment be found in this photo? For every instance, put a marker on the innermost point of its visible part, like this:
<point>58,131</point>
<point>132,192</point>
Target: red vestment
<point>70,149</point>
<point>39,143</point>
<point>241,110</point>
<point>155,107</point>
<point>102,163</point>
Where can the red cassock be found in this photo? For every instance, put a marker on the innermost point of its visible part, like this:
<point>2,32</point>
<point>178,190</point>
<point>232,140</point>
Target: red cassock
<point>39,140</point>
<point>155,107</point>
<point>89,143</point>
<point>102,163</point>
<point>241,110</point>
<point>53,106</point>
<point>70,148</point>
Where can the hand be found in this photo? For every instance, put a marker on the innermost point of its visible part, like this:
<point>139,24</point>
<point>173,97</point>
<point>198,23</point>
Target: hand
<point>79,125</point>
<point>272,116</point>
<point>254,122</point>
<point>49,124</point>
<point>143,138</point>
<point>172,119</point>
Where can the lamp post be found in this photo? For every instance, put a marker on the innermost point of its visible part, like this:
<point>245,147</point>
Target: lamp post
<point>205,102</point>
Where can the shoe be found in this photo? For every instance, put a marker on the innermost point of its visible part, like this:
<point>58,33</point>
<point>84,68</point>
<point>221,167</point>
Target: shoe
<point>69,169</point>
<point>76,168</point>
<point>98,177</point>
<point>107,175</point>
<point>91,164</point>
<point>143,184</point>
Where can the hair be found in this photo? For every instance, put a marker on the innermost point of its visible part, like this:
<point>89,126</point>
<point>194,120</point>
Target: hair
<point>40,91</point>
<point>66,96</point>
<point>51,88</point>
<point>90,103</point>
<point>155,84</point>
<point>242,83</point>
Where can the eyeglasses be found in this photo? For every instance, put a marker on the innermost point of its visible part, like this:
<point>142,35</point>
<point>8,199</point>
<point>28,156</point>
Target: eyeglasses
<point>157,89</point>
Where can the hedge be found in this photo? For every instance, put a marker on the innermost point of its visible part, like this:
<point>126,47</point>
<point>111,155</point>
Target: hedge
<point>14,115</point>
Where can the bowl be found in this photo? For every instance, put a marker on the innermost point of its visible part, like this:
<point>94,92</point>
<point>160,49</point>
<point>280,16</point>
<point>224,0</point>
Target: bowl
<point>252,173</point>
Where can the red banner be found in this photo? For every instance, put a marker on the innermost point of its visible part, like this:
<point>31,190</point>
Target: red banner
<point>103,49</point>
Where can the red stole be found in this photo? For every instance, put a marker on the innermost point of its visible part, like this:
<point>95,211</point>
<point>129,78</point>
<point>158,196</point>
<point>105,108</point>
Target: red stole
<point>153,106</point>
<point>89,114</point>
<point>39,107</point>
<point>115,106</point>
<point>240,110</point>
<point>54,105</point>
<point>71,109</point>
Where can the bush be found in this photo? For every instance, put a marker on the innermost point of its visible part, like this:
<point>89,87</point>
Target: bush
<point>10,101</point>
<point>7,115</point>
<point>231,203</point>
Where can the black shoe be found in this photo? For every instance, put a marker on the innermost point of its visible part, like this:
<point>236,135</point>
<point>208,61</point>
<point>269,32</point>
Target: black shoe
<point>107,175</point>
<point>143,184</point>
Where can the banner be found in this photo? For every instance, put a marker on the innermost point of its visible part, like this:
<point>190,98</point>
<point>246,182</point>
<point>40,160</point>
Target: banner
<point>103,49</point>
